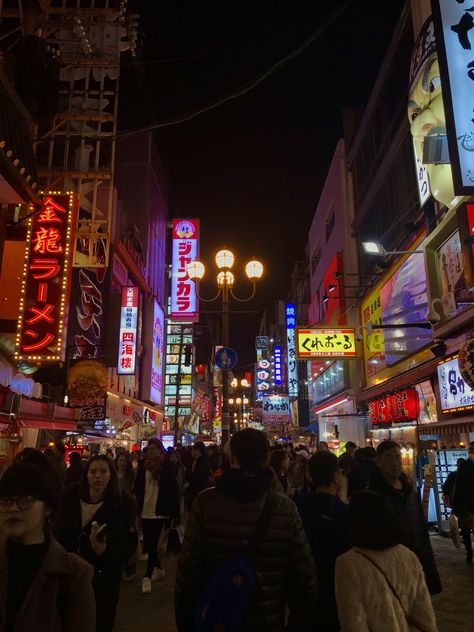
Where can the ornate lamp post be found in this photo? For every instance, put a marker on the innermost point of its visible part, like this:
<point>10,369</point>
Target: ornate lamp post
<point>225,282</point>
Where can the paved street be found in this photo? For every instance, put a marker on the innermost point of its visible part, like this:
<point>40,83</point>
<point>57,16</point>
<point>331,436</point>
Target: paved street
<point>454,607</point>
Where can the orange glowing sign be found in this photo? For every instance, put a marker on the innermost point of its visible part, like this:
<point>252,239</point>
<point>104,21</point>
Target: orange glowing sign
<point>45,282</point>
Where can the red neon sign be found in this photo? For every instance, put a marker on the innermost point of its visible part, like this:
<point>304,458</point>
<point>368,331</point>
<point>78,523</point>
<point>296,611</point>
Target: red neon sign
<point>45,279</point>
<point>395,408</point>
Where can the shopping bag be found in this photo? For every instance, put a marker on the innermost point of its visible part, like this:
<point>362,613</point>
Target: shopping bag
<point>454,530</point>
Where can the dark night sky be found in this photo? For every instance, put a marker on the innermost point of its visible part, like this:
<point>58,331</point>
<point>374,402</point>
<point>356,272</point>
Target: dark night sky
<point>252,169</point>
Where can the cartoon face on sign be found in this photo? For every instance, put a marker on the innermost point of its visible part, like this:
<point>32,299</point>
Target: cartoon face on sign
<point>184,229</point>
<point>426,115</point>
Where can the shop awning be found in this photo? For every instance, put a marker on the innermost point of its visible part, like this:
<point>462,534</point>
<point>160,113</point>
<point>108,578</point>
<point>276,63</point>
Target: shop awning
<point>47,424</point>
<point>448,427</point>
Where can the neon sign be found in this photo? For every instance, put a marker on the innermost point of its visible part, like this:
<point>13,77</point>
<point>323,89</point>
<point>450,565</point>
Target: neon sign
<point>128,331</point>
<point>277,366</point>
<point>45,284</point>
<point>291,350</point>
<point>185,247</point>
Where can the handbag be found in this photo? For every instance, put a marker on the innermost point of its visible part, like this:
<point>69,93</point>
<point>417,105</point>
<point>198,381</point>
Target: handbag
<point>411,622</point>
<point>454,530</point>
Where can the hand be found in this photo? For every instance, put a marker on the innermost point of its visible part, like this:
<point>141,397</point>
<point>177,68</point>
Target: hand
<point>98,545</point>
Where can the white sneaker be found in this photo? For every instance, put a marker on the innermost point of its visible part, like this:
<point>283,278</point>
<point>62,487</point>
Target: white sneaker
<point>146,586</point>
<point>158,573</point>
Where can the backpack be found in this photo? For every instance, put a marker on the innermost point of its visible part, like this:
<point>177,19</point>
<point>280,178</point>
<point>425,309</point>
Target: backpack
<point>229,592</point>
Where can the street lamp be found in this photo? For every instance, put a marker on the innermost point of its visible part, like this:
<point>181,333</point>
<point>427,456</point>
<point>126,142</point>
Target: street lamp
<point>375,248</point>
<point>225,282</point>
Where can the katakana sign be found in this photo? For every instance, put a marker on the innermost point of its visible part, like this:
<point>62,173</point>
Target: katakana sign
<point>45,284</point>
<point>128,331</point>
<point>325,343</point>
<point>185,249</point>
<point>292,363</point>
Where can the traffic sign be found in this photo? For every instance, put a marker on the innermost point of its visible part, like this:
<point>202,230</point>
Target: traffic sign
<point>226,358</point>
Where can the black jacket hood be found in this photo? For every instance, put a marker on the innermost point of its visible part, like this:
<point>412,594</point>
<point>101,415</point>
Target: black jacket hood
<point>245,486</point>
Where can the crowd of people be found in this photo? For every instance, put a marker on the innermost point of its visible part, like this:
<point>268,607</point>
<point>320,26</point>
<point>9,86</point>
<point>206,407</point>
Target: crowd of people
<point>275,537</point>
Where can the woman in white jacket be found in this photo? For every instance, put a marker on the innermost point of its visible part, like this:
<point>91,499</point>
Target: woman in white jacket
<point>380,584</point>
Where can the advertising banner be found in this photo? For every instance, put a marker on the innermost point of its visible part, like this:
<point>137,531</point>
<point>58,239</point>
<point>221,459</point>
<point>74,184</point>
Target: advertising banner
<point>127,352</point>
<point>46,280</point>
<point>326,343</point>
<point>184,251</point>
<point>152,363</point>
<point>398,407</point>
<point>87,388</point>
<point>454,394</point>
<point>292,363</point>
<point>276,409</point>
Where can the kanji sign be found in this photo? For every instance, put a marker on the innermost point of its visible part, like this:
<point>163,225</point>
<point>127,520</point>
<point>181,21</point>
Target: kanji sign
<point>128,331</point>
<point>454,393</point>
<point>87,388</point>
<point>326,343</point>
<point>277,366</point>
<point>454,24</point>
<point>45,284</point>
<point>276,409</point>
<point>185,248</point>
<point>292,363</point>
<point>396,407</point>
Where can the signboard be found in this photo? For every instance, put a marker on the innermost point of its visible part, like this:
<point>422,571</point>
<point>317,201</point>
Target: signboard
<point>453,22</point>
<point>398,407</point>
<point>276,409</point>
<point>454,394</point>
<point>128,331</point>
<point>46,280</point>
<point>292,363</point>
<point>261,342</point>
<point>152,365</point>
<point>184,251</point>
<point>326,343</point>
<point>167,440</point>
<point>263,376</point>
<point>428,413</point>
<point>217,418</point>
<point>226,358</point>
<point>87,389</point>
<point>277,366</point>
<point>178,377</point>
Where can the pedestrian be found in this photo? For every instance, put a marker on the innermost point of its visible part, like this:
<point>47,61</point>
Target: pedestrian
<point>238,514</point>
<point>351,449</point>
<point>198,475</point>
<point>463,501</point>
<point>280,464</point>
<point>58,461</point>
<point>380,584</point>
<point>325,520</point>
<point>74,471</point>
<point>125,472</point>
<point>42,587</point>
<point>109,453</point>
<point>181,474</point>
<point>298,471</point>
<point>364,470</point>
<point>323,446</point>
<point>157,497</point>
<point>98,523</point>
<point>390,481</point>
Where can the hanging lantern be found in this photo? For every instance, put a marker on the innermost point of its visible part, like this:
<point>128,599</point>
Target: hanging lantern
<point>466,362</point>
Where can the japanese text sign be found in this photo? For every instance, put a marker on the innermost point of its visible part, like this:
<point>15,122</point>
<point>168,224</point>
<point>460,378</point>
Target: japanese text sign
<point>185,249</point>
<point>326,343</point>
<point>396,407</point>
<point>263,376</point>
<point>454,24</point>
<point>128,331</point>
<point>292,363</point>
<point>276,409</point>
<point>454,393</point>
<point>277,366</point>
<point>46,276</point>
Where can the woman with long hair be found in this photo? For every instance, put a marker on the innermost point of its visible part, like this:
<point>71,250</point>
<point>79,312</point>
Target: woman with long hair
<point>42,586</point>
<point>157,497</point>
<point>125,471</point>
<point>98,522</point>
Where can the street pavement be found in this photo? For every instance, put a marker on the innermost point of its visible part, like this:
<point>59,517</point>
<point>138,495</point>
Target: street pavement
<point>155,612</point>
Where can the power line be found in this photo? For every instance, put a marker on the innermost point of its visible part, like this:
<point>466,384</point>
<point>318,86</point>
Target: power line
<point>247,87</point>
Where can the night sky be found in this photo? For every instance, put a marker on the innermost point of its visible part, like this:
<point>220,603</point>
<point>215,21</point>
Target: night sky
<point>252,169</point>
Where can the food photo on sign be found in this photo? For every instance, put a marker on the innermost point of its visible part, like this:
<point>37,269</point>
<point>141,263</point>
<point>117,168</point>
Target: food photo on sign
<point>87,388</point>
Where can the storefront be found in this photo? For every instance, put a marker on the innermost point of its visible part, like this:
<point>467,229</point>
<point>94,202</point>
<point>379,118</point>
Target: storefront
<point>131,421</point>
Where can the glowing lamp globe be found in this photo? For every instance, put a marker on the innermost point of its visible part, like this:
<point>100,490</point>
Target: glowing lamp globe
<point>225,278</point>
<point>195,270</point>
<point>224,259</point>
<point>254,270</point>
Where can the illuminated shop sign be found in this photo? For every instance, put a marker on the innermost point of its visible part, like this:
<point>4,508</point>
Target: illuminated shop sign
<point>453,22</point>
<point>185,249</point>
<point>398,407</point>
<point>45,284</point>
<point>263,376</point>
<point>291,350</point>
<point>128,331</point>
<point>454,394</point>
<point>326,343</point>
<point>152,360</point>
<point>277,366</point>
<point>276,409</point>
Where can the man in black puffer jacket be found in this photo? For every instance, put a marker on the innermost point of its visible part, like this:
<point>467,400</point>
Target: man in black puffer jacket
<point>390,481</point>
<point>221,522</point>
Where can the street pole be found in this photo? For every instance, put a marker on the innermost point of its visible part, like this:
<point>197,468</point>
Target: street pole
<point>225,372</point>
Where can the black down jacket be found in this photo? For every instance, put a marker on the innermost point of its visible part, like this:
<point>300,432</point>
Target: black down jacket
<point>412,524</point>
<point>221,521</point>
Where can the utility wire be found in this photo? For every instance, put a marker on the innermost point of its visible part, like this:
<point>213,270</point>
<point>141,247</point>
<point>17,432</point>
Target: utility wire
<point>247,87</point>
